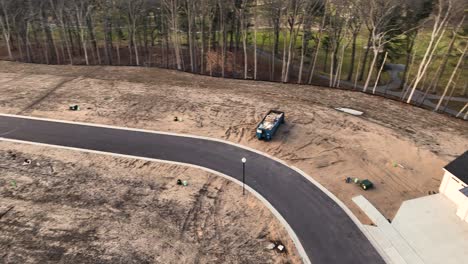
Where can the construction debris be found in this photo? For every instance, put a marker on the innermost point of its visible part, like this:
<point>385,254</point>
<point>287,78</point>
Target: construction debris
<point>398,165</point>
<point>280,248</point>
<point>271,246</point>
<point>269,125</point>
<point>270,120</point>
<point>74,108</point>
<point>12,155</point>
<point>350,111</point>
<point>364,184</point>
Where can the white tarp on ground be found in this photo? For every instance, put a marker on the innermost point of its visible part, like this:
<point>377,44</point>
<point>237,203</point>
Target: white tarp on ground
<point>350,111</point>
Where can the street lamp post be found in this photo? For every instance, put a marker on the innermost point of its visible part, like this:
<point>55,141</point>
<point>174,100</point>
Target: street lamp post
<point>244,160</point>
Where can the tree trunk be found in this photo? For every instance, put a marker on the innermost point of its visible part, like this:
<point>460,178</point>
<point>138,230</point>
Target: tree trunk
<point>408,61</point>
<point>301,64</point>
<point>462,110</point>
<point>273,61</point>
<point>45,46</point>
<point>317,49</point>
<point>255,40</point>
<point>135,45</point>
<point>460,60</point>
<point>371,69</point>
<point>438,32</point>
<point>357,70</point>
<point>244,45</point>
<point>380,72</point>
<point>435,84</point>
<point>210,48</point>
<point>79,20</point>
<point>189,7</point>
<point>353,55</point>
<point>283,68</point>
<point>340,67</point>
<point>7,38</point>
<point>202,51</point>
<point>93,38</point>
<point>244,37</point>
<point>364,59</point>
<point>108,33</point>
<point>224,33</point>
<point>292,40</point>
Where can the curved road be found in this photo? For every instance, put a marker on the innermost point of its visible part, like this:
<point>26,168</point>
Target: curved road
<point>326,232</point>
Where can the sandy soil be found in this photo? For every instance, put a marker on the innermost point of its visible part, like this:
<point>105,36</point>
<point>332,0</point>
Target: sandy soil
<point>72,207</point>
<point>327,144</point>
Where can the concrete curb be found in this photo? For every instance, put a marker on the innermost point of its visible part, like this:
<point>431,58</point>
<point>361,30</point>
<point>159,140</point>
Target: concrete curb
<point>293,235</point>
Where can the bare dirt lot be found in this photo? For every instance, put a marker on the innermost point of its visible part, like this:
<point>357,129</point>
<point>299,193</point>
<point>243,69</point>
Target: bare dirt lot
<point>74,207</point>
<point>327,144</point>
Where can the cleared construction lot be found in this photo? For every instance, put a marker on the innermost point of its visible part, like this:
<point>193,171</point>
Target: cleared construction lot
<point>327,144</point>
<point>73,207</point>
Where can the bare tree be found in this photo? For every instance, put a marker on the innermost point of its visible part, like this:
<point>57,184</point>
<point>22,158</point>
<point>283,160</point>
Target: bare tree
<point>444,63</point>
<point>311,9</point>
<point>172,7</point>
<point>294,21</point>
<point>274,12</point>
<point>379,73</point>
<point>355,25</point>
<point>5,17</point>
<point>82,10</point>
<point>378,17</point>
<point>336,29</point>
<point>449,83</point>
<point>444,10</point>
<point>241,10</point>
<point>255,39</point>
<point>190,7</point>
<point>133,9</point>
<point>58,6</point>
<point>319,43</point>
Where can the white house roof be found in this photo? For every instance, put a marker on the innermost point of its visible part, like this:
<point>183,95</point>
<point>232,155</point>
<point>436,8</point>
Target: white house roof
<point>459,167</point>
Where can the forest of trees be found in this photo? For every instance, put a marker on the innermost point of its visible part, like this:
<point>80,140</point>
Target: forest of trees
<point>339,43</point>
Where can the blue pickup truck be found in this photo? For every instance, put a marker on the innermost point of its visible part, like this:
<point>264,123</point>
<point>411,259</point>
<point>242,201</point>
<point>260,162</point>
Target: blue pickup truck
<point>270,123</point>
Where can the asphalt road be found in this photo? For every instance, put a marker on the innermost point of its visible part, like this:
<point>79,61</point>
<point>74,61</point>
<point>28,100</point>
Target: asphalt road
<point>326,232</point>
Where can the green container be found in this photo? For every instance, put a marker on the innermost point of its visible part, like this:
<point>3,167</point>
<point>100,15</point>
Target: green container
<point>366,184</point>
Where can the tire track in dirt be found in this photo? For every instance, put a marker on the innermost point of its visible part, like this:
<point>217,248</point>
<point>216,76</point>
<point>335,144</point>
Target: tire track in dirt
<point>47,94</point>
<point>54,89</point>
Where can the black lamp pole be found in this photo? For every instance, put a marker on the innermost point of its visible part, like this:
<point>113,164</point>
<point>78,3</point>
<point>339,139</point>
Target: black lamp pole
<point>243,175</point>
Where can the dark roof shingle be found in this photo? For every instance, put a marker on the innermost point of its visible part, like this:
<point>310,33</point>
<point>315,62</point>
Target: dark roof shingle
<point>464,191</point>
<point>459,167</point>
